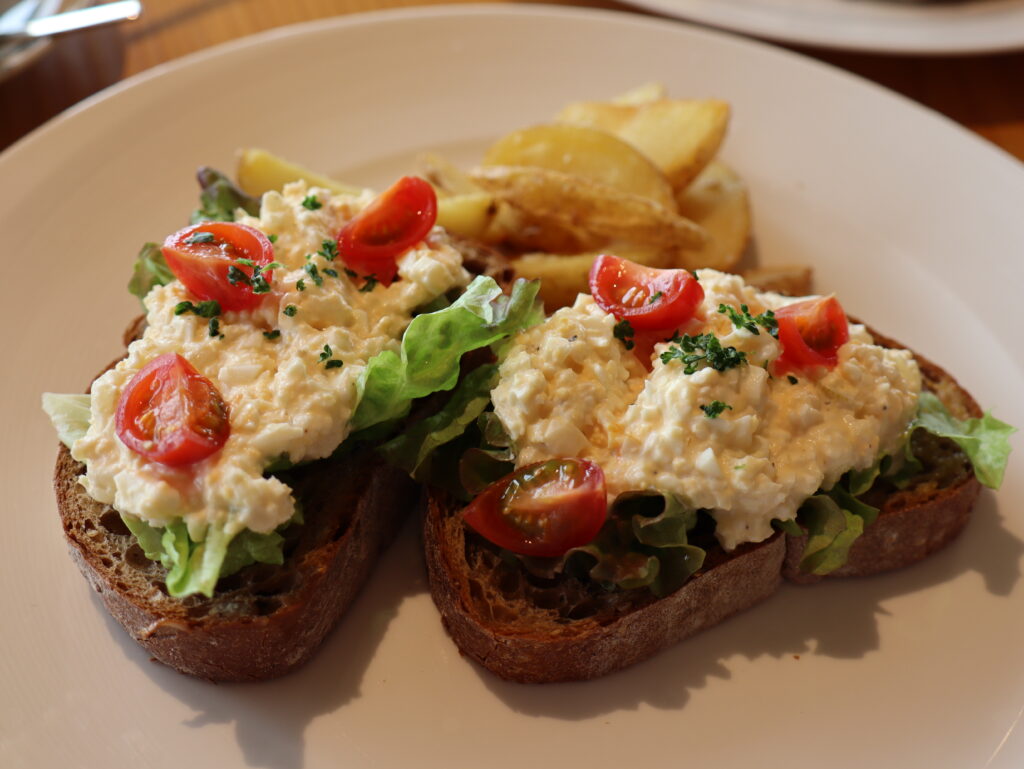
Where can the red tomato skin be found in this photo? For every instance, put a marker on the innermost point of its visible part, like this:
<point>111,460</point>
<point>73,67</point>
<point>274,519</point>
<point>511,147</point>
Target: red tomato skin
<point>158,395</point>
<point>625,289</point>
<point>811,333</point>
<point>397,220</point>
<point>573,522</point>
<point>203,267</point>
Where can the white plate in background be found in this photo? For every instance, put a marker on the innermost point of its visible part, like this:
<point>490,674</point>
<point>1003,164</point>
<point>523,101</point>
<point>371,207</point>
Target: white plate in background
<point>923,27</point>
<point>913,221</point>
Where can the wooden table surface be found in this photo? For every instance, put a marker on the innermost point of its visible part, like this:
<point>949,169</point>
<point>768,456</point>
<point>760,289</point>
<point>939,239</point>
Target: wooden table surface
<point>983,93</point>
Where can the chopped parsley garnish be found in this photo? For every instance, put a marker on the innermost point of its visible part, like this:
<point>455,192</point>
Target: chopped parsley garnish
<point>692,351</point>
<point>272,238</point>
<point>792,379</point>
<point>328,359</point>
<point>329,271</point>
<point>200,237</point>
<point>370,284</point>
<point>236,276</point>
<point>215,328</point>
<point>290,310</point>
<point>209,309</point>
<point>623,331</point>
<point>314,274</point>
<point>655,297</point>
<point>310,202</point>
<point>329,250</point>
<point>300,285</point>
<point>713,409</point>
<point>272,335</point>
<point>743,319</point>
<point>351,273</point>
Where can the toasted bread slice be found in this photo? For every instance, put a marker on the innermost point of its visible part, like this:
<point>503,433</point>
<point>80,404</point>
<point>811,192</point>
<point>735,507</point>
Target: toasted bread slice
<point>530,630</point>
<point>264,620</point>
<point>924,516</point>
<point>538,631</point>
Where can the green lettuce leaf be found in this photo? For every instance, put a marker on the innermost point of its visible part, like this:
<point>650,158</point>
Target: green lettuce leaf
<point>411,450</point>
<point>831,531</point>
<point>985,440</point>
<point>150,270</point>
<point>434,344</point>
<point>220,198</point>
<point>643,544</point>
<point>69,415</point>
<point>195,567</point>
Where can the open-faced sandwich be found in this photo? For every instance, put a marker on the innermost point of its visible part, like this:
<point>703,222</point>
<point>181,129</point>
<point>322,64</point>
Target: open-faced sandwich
<point>660,454</point>
<point>217,485</point>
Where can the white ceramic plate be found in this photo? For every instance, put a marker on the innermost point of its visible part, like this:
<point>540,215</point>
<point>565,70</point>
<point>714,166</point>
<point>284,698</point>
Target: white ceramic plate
<point>914,221</point>
<point>884,26</point>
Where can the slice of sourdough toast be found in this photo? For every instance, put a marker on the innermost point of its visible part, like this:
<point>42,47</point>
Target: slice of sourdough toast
<point>530,630</point>
<point>541,631</point>
<point>265,620</point>
<point>926,514</point>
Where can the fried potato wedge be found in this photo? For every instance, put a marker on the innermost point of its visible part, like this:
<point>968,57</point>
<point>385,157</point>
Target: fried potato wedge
<point>564,276</point>
<point>260,171</point>
<point>447,179</point>
<point>680,136</point>
<point>642,94</point>
<point>718,201</point>
<point>791,280</point>
<point>586,152</point>
<point>574,202</point>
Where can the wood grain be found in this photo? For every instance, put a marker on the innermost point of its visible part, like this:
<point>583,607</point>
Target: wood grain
<point>982,93</point>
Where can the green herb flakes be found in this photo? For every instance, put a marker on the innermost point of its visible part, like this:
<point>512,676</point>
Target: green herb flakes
<point>290,310</point>
<point>693,351</point>
<point>623,331</point>
<point>743,319</point>
<point>209,309</point>
<point>311,203</point>
<point>714,409</point>
<point>200,237</point>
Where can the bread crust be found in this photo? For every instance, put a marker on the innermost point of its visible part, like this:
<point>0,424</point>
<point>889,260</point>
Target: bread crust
<point>911,524</point>
<point>535,649</point>
<point>516,639</point>
<point>266,620</point>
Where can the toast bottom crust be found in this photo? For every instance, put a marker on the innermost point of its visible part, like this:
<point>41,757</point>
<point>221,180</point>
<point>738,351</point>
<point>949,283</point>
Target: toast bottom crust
<point>547,650</point>
<point>266,620</point>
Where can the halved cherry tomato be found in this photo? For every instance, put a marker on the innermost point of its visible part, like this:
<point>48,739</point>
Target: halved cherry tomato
<point>396,221</point>
<point>202,257</point>
<point>649,298</point>
<point>811,333</point>
<point>542,509</point>
<point>172,414</point>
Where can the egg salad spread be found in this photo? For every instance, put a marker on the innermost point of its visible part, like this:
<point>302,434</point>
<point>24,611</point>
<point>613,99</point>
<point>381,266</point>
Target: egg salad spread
<point>738,441</point>
<point>287,370</point>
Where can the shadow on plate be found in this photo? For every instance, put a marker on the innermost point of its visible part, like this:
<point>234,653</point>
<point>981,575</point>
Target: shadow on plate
<point>836,619</point>
<point>271,717</point>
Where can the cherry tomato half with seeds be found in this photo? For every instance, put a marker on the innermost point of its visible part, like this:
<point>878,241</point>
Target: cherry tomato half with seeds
<point>396,221</point>
<point>543,509</point>
<point>171,414</point>
<point>649,298</point>
<point>811,333</point>
<point>205,258</point>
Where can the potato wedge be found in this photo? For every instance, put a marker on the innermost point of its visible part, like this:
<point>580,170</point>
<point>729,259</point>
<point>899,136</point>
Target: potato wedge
<point>642,94</point>
<point>447,178</point>
<point>562,277</point>
<point>681,136</point>
<point>587,152</point>
<point>718,201</point>
<point>791,280</point>
<point>260,171</point>
<point>572,201</point>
